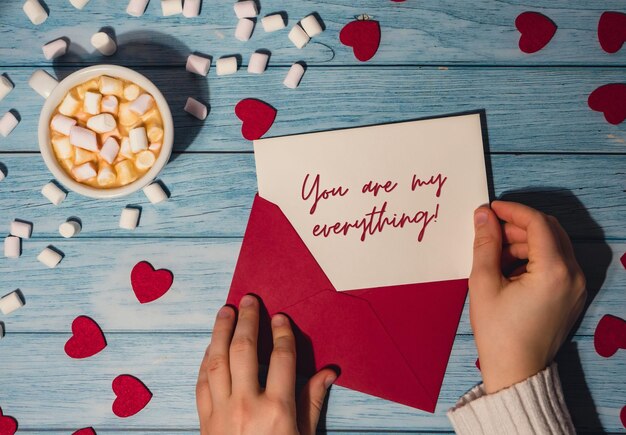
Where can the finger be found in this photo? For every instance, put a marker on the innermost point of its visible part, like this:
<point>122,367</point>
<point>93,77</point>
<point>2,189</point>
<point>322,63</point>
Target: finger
<point>519,251</point>
<point>217,360</point>
<point>203,392</point>
<point>312,400</point>
<point>486,276</point>
<point>244,363</point>
<point>513,234</point>
<point>564,240</point>
<point>281,377</point>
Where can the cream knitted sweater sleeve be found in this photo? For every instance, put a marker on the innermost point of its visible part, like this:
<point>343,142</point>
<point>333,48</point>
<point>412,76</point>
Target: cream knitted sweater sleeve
<point>534,406</point>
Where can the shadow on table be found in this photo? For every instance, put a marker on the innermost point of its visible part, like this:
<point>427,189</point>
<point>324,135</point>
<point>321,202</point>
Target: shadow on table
<point>146,52</point>
<point>594,259</point>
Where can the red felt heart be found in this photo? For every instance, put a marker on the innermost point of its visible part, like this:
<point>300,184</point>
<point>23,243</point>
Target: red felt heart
<point>622,416</point>
<point>8,425</point>
<point>611,100</point>
<point>536,31</point>
<point>612,31</point>
<point>85,431</point>
<point>477,363</point>
<point>623,260</point>
<point>610,335</point>
<point>363,36</point>
<point>132,396</point>
<point>87,338</point>
<point>257,117</point>
<point>150,284</point>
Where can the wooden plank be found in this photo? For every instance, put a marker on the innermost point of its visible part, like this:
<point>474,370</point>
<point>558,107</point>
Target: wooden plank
<point>528,109</point>
<point>212,195</point>
<point>94,279</point>
<point>43,388</point>
<point>425,32</point>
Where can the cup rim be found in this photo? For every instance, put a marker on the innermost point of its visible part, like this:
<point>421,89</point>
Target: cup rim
<point>82,76</point>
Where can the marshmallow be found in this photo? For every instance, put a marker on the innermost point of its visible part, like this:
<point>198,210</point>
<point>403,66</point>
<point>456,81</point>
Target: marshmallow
<point>92,103</point>
<point>246,9</point>
<point>126,172</point>
<point>198,64</point>
<point>196,108</point>
<point>62,147</point>
<point>83,156</point>
<point>102,123</point>
<point>125,149</point>
<point>155,133</point>
<point>138,139</point>
<point>83,138</point>
<point>244,29</point>
<point>55,49</point>
<point>70,228</point>
<point>311,25</point>
<point>191,8</point>
<point>62,124</point>
<point>144,160</point>
<point>12,247</point>
<point>84,172</point>
<point>79,4</point>
<point>298,36</point>
<point>171,7</point>
<point>42,83</point>
<point>69,106</point>
<point>102,42</point>
<point>50,257</point>
<point>109,104</point>
<point>111,86</point>
<point>258,63</point>
<point>142,104</point>
<point>129,218</point>
<point>131,92</point>
<point>2,175</point>
<point>226,65</point>
<point>11,302</point>
<point>35,12</point>
<point>5,86</point>
<point>53,193</point>
<point>294,76</point>
<point>21,229</point>
<point>136,8</point>
<point>155,193</point>
<point>106,176</point>
<point>272,23</point>
<point>7,124</point>
<point>109,150</point>
<point>153,147</point>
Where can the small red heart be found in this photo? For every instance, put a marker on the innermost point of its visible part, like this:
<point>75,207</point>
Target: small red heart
<point>536,31</point>
<point>477,363</point>
<point>612,31</point>
<point>257,117</point>
<point>150,284</point>
<point>85,431</point>
<point>610,335</point>
<point>622,416</point>
<point>8,425</point>
<point>611,100</point>
<point>87,338</point>
<point>132,396</point>
<point>623,260</point>
<point>363,36</point>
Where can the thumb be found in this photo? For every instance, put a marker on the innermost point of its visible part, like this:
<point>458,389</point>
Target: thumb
<point>486,273</point>
<point>312,400</point>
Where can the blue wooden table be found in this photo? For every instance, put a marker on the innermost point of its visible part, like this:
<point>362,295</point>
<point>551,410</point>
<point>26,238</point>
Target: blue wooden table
<point>546,148</point>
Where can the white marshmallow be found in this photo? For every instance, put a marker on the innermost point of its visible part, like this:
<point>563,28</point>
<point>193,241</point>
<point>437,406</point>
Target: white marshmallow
<point>11,302</point>
<point>298,36</point>
<point>53,193</point>
<point>35,12</point>
<point>136,8</point>
<point>125,149</point>
<point>258,63</point>
<point>62,146</point>
<point>7,124</point>
<point>5,87</point>
<point>2,173</point>
<point>69,106</point>
<point>62,124</point>
<point>131,92</point>
<point>12,247</point>
<point>84,172</point>
<point>226,65</point>
<point>294,76</point>
<point>50,257</point>
<point>129,218</point>
<point>196,108</point>
<point>144,160</point>
<point>171,7</point>
<point>272,23</point>
<point>111,86</point>
<point>21,229</point>
<point>102,123</point>
<point>42,83</point>
<point>55,49</point>
<point>109,104</point>
<point>102,42</point>
<point>142,104</point>
<point>191,8</point>
<point>244,29</point>
<point>92,102</point>
<point>126,172</point>
<point>198,64</point>
<point>311,26</point>
<point>155,193</point>
<point>153,147</point>
<point>109,150</point>
<point>246,9</point>
<point>138,139</point>
<point>79,4</point>
<point>155,133</point>
<point>83,138</point>
<point>106,176</point>
<point>70,228</point>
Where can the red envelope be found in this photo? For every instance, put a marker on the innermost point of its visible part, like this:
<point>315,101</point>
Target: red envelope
<point>391,342</point>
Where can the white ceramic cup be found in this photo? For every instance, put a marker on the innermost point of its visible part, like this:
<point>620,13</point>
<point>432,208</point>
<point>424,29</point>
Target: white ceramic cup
<point>55,98</point>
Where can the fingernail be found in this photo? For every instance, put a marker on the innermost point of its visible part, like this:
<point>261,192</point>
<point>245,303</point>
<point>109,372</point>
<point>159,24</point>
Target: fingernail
<point>480,217</point>
<point>224,312</point>
<point>246,301</point>
<point>329,380</point>
<point>278,320</point>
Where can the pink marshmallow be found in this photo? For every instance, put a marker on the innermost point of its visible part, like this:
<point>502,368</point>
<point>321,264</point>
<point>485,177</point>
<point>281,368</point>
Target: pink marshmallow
<point>109,150</point>
<point>63,124</point>
<point>83,138</point>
